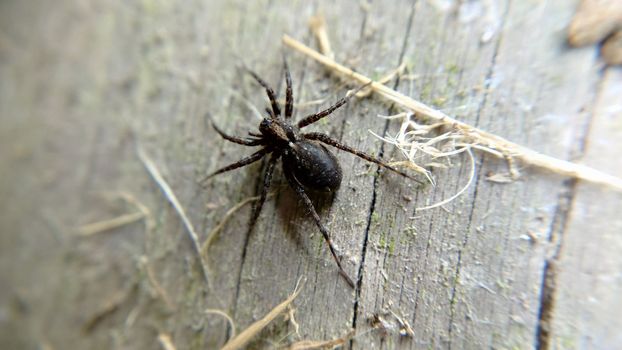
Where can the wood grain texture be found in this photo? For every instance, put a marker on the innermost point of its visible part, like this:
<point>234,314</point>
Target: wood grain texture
<point>588,262</point>
<point>529,264</point>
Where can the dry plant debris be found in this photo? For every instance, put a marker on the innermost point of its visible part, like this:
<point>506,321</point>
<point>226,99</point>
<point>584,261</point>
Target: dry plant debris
<point>414,139</point>
<point>596,21</point>
<point>390,323</point>
<point>318,27</point>
<point>214,232</point>
<point>243,338</point>
<point>469,135</point>
<point>160,292</point>
<point>383,80</point>
<point>166,341</point>
<point>109,307</point>
<point>499,178</point>
<point>405,328</point>
<point>143,262</point>
<point>226,317</point>
<point>321,344</point>
<point>110,224</point>
<point>119,221</point>
<point>292,319</point>
<point>170,196</point>
<point>612,49</point>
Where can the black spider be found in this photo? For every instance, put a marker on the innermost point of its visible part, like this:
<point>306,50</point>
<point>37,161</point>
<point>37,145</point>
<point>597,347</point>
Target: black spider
<point>306,162</point>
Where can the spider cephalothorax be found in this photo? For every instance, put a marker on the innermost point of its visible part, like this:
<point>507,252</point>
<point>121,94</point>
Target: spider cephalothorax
<point>307,164</point>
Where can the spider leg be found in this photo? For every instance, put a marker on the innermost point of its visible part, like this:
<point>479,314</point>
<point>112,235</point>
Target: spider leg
<point>240,163</point>
<point>301,192</point>
<point>310,119</point>
<point>332,142</point>
<point>275,106</point>
<point>289,98</point>
<point>267,179</point>
<point>270,112</point>
<point>237,140</point>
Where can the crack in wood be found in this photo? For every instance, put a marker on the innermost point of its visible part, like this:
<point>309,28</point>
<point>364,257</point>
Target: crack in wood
<point>549,276</point>
<point>452,301</point>
<point>375,184</point>
<point>556,233</point>
<point>488,82</point>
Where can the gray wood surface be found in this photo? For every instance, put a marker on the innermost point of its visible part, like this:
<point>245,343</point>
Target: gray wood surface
<point>534,263</point>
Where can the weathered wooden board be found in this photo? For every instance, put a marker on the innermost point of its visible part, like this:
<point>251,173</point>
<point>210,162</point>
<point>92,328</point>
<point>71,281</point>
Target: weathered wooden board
<point>84,83</point>
<point>587,262</point>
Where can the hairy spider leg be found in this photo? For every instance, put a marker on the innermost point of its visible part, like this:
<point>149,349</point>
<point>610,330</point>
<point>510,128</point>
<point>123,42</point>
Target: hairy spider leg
<point>267,180</point>
<point>316,136</point>
<point>310,119</point>
<point>240,141</point>
<point>240,163</point>
<point>289,97</point>
<point>276,111</point>
<point>293,182</point>
<point>270,112</point>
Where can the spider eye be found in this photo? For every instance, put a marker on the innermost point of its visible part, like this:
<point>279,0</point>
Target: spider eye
<point>265,126</point>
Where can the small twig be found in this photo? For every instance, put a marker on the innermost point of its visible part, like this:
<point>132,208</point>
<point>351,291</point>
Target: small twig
<point>502,178</point>
<point>292,319</point>
<point>321,344</point>
<point>155,284</point>
<point>132,316</point>
<point>478,136</point>
<point>106,225</point>
<point>383,80</point>
<point>149,220</point>
<point>415,167</point>
<point>214,232</point>
<point>109,308</point>
<point>110,224</point>
<point>405,328</point>
<point>445,201</point>
<point>226,316</point>
<point>170,196</point>
<point>318,27</point>
<point>514,173</point>
<point>246,335</point>
<point>166,341</point>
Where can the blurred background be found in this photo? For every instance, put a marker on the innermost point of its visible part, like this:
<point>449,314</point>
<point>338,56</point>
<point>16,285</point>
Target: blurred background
<point>95,95</point>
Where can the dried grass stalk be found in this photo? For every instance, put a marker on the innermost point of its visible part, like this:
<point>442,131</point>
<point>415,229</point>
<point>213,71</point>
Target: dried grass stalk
<point>472,135</point>
<point>214,232</point>
<point>243,338</point>
<point>166,341</point>
<point>225,316</point>
<point>321,344</point>
<point>110,224</point>
<point>172,198</point>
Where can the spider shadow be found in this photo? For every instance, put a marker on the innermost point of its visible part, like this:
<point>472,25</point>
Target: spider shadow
<point>296,218</point>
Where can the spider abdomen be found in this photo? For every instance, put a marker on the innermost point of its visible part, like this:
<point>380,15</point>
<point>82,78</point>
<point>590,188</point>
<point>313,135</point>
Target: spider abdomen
<point>313,165</point>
